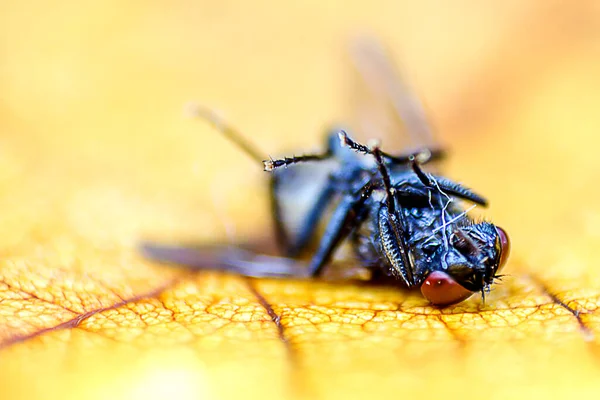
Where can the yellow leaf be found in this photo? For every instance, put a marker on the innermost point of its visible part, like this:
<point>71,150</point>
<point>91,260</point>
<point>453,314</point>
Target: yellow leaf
<point>95,155</point>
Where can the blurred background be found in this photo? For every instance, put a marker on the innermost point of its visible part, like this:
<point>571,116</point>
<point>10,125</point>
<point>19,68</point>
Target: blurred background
<point>93,130</point>
<point>95,92</point>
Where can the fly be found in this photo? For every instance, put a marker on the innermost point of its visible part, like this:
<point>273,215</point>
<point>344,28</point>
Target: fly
<point>400,220</point>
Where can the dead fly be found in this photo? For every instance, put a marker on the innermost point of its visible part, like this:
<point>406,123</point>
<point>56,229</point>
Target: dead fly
<point>400,221</point>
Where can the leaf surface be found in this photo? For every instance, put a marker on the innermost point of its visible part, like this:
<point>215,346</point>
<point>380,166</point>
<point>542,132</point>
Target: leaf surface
<point>95,157</point>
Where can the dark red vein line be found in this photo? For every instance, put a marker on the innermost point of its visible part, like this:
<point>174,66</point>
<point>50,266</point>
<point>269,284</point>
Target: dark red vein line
<point>462,342</point>
<point>36,297</point>
<point>586,331</point>
<point>274,316</point>
<point>296,383</point>
<point>74,322</point>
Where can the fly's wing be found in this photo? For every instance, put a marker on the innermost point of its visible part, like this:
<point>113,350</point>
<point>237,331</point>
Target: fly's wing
<point>225,258</point>
<point>245,262</point>
<point>384,108</point>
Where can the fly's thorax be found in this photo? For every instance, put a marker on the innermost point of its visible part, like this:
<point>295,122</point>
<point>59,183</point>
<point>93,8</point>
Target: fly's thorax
<point>381,234</point>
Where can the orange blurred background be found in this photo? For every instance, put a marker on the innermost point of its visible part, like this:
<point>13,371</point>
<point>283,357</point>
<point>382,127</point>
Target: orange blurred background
<point>92,127</point>
<point>97,90</point>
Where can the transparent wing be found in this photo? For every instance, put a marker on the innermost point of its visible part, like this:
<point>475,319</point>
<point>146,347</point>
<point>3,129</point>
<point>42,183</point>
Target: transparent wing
<point>384,107</point>
<point>238,260</point>
<point>225,258</point>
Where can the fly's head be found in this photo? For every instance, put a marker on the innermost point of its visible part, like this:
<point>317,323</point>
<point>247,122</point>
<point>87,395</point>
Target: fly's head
<point>461,261</point>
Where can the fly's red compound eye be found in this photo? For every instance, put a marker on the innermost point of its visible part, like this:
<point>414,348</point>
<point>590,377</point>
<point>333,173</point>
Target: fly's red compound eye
<point>504,246</point>
<point>440,289</point>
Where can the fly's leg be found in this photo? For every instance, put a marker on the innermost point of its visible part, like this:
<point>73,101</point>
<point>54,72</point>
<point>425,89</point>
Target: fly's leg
<point>416,160</point>
<point>332,143</point>
<point>345,218</point>
<point>385,175</point>
<point>392,227</point>
<point>424,155</point>
<point>238,139</point>
<point>294,247</point>
<point>446,185</point>
<point>281,236</point>
<point>392,233</point>
<point>307,228</point>
<point>423,177</point>
<point>271,165</point>
<point>228,131</point>
<point>316,212</point>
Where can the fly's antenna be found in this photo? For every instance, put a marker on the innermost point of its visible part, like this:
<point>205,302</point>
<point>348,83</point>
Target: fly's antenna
<point>225,129</point>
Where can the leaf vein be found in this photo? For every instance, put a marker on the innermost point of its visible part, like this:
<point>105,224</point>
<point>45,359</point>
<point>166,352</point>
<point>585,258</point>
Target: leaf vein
<point>76,321</point>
